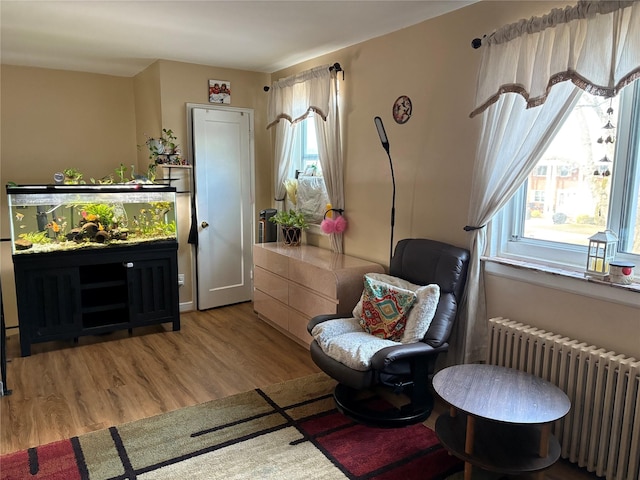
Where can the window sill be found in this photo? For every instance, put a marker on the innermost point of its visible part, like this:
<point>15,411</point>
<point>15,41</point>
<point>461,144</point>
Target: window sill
<point>315,229</point>
<point>565,280</point>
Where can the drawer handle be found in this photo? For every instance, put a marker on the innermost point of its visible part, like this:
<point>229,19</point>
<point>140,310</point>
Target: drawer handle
<point>127,264</point>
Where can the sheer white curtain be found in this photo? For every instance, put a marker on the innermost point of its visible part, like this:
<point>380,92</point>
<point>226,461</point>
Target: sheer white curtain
<point>512,141</point>
<point>291,100</point>
<point>282,153</point>
<point>595,45</point>
<point>520,65</point>
<point>330,153</point>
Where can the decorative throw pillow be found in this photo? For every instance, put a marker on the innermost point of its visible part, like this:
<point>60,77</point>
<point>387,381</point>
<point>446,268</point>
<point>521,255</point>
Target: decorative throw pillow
<point>385,309</point>
<point>422,312</point>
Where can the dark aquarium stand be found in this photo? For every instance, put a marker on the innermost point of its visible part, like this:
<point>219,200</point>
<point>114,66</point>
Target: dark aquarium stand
<point>66,295</point>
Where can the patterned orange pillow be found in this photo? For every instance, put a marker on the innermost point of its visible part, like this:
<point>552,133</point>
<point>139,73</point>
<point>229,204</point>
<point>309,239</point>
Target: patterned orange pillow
<point>385,309</point>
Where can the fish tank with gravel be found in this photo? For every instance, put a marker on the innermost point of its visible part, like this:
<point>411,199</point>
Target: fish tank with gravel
<point>54,218</point>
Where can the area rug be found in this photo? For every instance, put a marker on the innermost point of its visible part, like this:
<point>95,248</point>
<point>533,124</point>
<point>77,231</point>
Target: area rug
<point>286,431</point>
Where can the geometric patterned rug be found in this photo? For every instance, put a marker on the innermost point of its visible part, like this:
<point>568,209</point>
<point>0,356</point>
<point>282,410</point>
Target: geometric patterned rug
<point>286,431</point>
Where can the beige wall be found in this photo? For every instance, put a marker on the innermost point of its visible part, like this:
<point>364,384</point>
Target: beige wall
<point>52,120</point>
<point>148,108</point>
<point>434,64</point>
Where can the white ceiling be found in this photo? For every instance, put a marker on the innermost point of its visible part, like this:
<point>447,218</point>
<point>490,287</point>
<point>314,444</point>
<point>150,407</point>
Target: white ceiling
<point>122,37</point>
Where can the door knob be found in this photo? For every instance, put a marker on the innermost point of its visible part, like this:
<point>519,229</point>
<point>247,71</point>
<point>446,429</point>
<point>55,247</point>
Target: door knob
<point>204,224</point>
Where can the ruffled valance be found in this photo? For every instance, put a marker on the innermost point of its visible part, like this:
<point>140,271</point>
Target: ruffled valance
<point>293,98</point>
<point>595,45</point>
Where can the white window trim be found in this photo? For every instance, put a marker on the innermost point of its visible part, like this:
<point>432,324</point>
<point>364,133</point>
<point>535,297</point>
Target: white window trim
<point>563,280</point>
<point>555,265</point>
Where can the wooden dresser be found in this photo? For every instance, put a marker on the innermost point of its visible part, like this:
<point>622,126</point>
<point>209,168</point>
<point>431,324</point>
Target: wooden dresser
<point>294,284</point>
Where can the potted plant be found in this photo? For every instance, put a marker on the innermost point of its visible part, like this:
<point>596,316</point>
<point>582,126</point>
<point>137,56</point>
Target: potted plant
<point>164,149</point>
<point>72,176</point>
<point>292,223</point>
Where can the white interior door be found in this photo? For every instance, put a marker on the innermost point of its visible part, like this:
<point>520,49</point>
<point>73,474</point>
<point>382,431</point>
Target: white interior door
<point>223,166</point>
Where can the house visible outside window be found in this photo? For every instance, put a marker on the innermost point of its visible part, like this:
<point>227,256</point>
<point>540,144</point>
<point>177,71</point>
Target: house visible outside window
<point>588,180</point>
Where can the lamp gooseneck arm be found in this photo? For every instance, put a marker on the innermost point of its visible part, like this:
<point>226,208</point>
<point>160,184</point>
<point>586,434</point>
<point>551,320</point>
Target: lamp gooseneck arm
<point>385,144</point>
<point>393,207</point>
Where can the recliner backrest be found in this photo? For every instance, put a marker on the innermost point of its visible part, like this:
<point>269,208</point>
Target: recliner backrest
<point>423,262</point>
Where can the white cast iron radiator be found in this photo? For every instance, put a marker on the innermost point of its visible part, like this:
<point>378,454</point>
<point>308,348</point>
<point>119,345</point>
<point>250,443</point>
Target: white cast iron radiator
<point>602,430</point>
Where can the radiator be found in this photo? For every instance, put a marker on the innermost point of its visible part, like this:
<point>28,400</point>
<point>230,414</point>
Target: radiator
<point>601,432</point>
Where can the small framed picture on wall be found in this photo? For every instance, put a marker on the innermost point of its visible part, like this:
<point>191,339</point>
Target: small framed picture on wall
<point>219,91</point>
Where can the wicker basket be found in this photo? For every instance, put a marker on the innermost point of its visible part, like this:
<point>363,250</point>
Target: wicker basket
<point>291,236</point>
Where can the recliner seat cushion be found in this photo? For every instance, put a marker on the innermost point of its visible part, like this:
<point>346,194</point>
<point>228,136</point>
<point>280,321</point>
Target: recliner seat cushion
<point>343,340</point>
<point>324,332</point>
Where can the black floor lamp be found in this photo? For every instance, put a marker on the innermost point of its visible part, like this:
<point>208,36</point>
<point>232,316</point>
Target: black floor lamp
<point>385,144</point>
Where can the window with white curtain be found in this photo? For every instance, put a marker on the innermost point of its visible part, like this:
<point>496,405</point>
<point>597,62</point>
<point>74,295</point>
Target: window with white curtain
<point>587,181</point>
<point>312,198</point>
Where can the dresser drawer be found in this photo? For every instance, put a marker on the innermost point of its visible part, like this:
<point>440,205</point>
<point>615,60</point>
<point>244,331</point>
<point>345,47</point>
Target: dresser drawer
<point>271,309</point>
<point>294,284</point>
<point>273,285</point>
<point>315,278</point>
<point>298,326</point>
<point>310,303</point>
<point>271,261</point>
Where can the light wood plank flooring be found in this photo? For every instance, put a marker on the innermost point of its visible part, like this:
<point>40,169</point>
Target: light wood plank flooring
<point>64,389</point>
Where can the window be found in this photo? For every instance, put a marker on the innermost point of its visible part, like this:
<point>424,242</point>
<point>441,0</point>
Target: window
<point>312,198</point>
<point>305,152</point>
<point>538,196</point>
<point>540,171</point>
<point>565,171</point>
<point>309,152</point>
<point>588,180</point>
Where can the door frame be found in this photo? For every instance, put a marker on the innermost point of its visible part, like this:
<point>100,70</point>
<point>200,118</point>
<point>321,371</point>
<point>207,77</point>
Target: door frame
<point>252,169</point>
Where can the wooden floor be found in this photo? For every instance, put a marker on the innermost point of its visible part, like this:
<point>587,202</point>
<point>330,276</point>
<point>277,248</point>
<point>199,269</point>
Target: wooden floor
<point>63,390</point>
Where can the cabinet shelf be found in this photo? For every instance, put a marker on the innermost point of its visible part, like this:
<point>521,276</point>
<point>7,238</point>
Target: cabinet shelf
<point>498,447</point>
<point>105,321</point>
<point>100,285</point>
<point>104,308</point>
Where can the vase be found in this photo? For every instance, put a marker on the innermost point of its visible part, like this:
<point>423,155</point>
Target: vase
<point>291,236</point>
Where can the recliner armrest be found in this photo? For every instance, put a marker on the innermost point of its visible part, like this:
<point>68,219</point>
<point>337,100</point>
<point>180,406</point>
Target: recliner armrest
<point>321,318</point>
<point>386,356</point>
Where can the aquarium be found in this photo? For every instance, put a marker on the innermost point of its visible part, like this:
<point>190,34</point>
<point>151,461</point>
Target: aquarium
<point>53,218</point>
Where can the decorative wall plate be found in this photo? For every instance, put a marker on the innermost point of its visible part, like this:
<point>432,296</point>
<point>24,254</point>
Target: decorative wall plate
<point>402,109</point>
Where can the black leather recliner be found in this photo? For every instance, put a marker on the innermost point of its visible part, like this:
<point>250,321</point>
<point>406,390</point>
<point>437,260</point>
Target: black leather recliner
<point>404,368</point>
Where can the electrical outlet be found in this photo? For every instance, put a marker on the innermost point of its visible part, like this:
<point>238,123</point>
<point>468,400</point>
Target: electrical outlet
<point>181,279</point>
